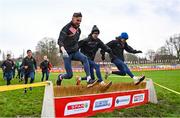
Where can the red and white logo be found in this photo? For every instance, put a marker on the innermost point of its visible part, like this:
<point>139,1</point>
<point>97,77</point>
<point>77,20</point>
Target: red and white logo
<point>138,98</point>
<point>77,107</point>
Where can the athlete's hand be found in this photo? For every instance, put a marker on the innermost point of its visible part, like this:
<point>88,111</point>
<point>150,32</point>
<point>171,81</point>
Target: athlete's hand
<point>4,67</point>
<point>139,51</point>
<point>64,52</point>
<point>25,67</point>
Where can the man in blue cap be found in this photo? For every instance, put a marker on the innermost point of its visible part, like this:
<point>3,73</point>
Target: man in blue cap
<point>118,46</point>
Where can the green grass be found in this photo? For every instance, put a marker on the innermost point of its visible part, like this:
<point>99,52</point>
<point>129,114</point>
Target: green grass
<point>16,103</point>
<point>169,103</point>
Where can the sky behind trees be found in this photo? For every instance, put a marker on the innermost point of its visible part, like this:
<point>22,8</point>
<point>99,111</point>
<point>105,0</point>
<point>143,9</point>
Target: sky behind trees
<point>148,22</point>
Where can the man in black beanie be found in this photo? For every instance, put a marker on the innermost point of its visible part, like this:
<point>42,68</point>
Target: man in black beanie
<point>89,47</point>
<point>68,45</point>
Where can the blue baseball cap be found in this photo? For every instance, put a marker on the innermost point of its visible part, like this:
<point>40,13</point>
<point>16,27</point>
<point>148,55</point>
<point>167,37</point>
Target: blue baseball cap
<point>123,35</point>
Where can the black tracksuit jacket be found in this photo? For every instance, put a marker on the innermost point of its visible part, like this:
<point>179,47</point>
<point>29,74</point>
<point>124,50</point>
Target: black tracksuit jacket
<point>118,49</point>
<point>44,66</point>
<point>31,63</point>
<point>68,39</point>
<point>8,64</point>
<point>90,46</point>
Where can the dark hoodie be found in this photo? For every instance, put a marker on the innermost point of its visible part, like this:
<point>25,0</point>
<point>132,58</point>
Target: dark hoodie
<point>31,63</point>
<point>118,49</point>
<point>90,46</point>
<point>8,64</point>
<point>45,66</point>
<point>69,38</point>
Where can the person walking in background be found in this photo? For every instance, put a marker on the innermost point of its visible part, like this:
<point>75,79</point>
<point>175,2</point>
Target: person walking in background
<point>29,65</point>
<point>7,67</point>
<point>19,70</point>
<point>45,67</point>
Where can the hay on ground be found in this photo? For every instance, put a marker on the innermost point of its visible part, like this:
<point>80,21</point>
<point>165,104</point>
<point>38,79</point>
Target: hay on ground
<point>83,90</point>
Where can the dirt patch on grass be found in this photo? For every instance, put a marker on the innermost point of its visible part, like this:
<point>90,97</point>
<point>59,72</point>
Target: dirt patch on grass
<point>83,90</point>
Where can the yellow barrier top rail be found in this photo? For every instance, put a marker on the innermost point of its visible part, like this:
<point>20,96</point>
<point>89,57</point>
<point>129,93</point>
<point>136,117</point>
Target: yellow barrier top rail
<point>171,90</point>
<point>22,86</point>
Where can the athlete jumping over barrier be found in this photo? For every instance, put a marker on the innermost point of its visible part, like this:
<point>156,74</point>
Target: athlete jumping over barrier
<point>118,46</point>
<point>68,45</point>
<point>89,47</point>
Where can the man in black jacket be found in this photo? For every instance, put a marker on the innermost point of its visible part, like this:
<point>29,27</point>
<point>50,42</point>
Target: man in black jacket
<point>7,67</point>
<point>118,46</point>
<point>89,47</point>
<point>68,44</point>
<point>46,67</point>
<point>29,65</point>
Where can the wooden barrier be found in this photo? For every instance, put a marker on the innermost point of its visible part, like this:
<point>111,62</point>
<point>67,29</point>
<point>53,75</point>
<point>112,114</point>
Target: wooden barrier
<point>90,104</point>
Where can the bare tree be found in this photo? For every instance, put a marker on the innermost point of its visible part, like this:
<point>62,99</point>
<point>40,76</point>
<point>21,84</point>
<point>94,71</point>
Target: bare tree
<point>47,46</point>
<point>150,54</point>
<point>169,47</point>
<point>162,51</point>
<point>174,41</point>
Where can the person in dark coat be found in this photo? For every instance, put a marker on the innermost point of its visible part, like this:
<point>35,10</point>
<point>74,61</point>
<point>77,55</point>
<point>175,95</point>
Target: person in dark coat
<point>8,66</point>
<point>89,47</point>
<point>29,65</point>
<point>68,44</point>
<point>45,67</point>
<point>118,46</point>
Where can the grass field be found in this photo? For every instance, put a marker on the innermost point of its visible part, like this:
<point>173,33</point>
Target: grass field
<point>17,104</point>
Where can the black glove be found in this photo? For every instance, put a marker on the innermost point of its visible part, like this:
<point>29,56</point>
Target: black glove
<point>139,51</point>
<point>103,57</point>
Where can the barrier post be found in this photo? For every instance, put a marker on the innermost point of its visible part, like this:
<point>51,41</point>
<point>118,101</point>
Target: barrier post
<point>151,91</point>
<point>48,101</point>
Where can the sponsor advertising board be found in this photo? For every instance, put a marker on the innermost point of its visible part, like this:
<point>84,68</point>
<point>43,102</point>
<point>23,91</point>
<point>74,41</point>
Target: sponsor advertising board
<point>89,105</point>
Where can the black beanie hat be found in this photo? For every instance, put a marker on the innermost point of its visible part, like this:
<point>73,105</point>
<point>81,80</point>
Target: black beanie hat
<point>8,55</point>
<point>95,29</point>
